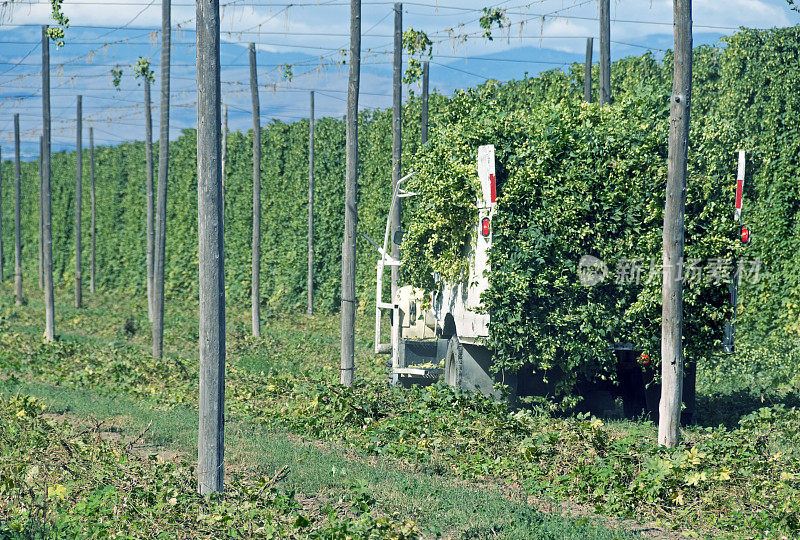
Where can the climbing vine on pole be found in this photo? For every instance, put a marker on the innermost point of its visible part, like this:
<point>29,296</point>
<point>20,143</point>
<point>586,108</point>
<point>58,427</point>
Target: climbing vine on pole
<point>418,45</point>
<point>141,70</point>
<point>56,33</point>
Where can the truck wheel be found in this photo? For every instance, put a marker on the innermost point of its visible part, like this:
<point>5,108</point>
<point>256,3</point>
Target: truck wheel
<point>454,363</point>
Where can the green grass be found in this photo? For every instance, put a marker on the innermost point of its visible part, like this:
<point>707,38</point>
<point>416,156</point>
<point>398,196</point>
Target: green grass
<point>61,480</point>
<point>438,504</point>
<point>454,463</point>
<point>290,345</point>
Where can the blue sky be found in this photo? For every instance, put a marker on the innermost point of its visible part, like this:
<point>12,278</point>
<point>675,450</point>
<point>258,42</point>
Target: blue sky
<point>310,35</point>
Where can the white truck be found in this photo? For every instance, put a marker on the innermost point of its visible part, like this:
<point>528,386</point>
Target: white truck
<point>448,337</point>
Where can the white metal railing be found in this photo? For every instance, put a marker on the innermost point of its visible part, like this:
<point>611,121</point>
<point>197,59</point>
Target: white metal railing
<point>387,260</point>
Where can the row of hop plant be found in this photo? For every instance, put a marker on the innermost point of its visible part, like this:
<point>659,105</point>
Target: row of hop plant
<point>574,180</point>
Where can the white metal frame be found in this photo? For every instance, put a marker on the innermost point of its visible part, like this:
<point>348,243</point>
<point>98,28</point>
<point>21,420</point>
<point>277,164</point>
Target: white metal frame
<point>387,260</point>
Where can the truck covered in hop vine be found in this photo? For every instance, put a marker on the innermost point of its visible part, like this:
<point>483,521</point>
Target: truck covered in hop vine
<point>531,266</point>
<point>444,333</point>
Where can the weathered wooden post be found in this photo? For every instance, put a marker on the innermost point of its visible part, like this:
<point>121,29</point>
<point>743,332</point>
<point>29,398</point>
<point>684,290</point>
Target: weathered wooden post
<point>2,251</point>
<point>423,117</point>
<point>211,252</point>
<point>148,153</point>
<point>256,254</point>
<point>587,71</point>
<point>163,172</point>
<point>397,137</point>
<point>92,271</point>
<point>41,213</point>
<point>605,53</point>
<point>350,208</point>
<point>17,228</point>
<point>78,204</point>
<point>310,285</point>
<point>674,213</point>
<point>47,230</point>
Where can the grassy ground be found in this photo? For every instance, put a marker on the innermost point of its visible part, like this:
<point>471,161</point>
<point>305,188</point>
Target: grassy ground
<point>129,400</point>
<point>455,464</point>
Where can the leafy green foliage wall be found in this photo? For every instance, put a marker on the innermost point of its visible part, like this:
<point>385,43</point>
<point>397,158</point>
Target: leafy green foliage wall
<point>120,174</point>
<point>549,145</point>
<point>575,180</point>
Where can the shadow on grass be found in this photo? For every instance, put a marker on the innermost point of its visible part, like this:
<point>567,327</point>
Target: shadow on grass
<point>726,409</point>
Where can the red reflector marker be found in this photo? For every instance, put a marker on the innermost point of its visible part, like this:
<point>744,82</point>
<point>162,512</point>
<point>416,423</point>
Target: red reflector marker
<point>485,226</point>
<point>745,235</point>
<point>739,189</point>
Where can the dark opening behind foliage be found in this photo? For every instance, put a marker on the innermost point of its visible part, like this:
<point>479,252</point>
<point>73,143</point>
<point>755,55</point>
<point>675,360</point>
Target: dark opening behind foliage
<point>551,149</point>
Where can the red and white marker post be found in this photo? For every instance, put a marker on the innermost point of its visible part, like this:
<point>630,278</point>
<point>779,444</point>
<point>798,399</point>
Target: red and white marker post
<point>728,343</point>
<point>737,214</point>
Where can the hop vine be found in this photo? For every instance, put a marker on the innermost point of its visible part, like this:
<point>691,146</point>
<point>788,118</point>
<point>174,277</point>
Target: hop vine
<point>418,45</point>
<point>57,33</point>
<point>116,77</point>
<point>141,70</point>
<point>493,17</point>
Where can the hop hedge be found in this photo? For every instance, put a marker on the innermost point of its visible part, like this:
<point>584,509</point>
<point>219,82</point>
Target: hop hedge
<point>576,180</point>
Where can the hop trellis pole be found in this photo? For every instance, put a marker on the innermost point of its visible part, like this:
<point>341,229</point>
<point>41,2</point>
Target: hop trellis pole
<point>47,236</point>
<point>211,253</point>
<point>310,280</point>
<point>256,254</point>
<point>350,208</point>
<point>163,172</point>
<point>672,364</point>
<point>17,229</point>
<point>78,204</point>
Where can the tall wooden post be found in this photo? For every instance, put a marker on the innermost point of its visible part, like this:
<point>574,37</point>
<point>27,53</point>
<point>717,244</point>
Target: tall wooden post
<point>674,211</point>
<point>78,205</point>
<point>41,213</point>
<point>310,285</point>
<point>17,228</point>
<point>47,230</point>
<point>605,52</point>
<point>423,117</point>
<point>350,208</point>
<point>148,153</point>
<point>210,455</point>
<point>397,137</point>
<point>92,271</point>
<point>587,71</point>
<point>256,255</point>
<point>161,196</point>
